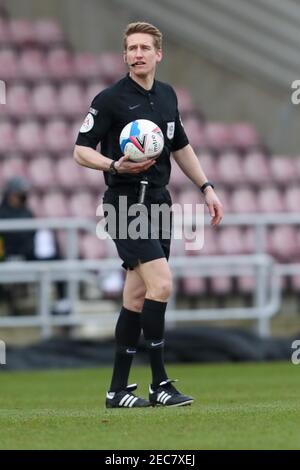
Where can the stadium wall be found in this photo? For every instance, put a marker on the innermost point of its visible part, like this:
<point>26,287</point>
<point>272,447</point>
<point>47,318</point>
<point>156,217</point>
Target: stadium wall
<point>223,94</point>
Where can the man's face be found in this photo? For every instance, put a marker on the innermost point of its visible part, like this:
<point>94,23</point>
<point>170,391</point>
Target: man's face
<point>141,52</point>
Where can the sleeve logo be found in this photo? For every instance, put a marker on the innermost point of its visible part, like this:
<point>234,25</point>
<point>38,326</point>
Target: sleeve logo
<point>88,123</point>
<point>171,130</point>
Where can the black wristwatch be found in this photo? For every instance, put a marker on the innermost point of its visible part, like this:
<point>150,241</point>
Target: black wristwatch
<point>112,169</point>
<point>205,185</point>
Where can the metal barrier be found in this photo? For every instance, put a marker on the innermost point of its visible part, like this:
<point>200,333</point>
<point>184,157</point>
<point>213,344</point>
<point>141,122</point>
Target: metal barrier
<point>267,274</point>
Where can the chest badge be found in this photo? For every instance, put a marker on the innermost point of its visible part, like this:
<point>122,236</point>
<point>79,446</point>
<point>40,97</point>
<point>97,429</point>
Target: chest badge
<point>170,129</point>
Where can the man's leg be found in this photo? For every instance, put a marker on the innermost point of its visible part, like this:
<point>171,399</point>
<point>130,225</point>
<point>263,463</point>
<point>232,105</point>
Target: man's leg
<point>128,329</point>
<point>157,277</point>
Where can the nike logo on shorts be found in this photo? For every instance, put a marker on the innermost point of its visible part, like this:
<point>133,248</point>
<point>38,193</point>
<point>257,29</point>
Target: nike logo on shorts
<point>157,344</point>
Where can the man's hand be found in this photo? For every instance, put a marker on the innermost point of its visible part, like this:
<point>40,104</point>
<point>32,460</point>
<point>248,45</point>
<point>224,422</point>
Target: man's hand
<point>214,205</point>
<point>124,165</point>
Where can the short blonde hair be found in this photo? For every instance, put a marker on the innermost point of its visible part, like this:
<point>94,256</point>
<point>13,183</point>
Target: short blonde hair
<point>146,28</point>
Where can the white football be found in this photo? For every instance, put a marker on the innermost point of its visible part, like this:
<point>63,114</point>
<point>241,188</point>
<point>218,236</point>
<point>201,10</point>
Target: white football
<point>141,140</point>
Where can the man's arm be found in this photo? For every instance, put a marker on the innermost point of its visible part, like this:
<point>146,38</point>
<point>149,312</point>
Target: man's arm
<point>87,156</point>
<point>191,167</point>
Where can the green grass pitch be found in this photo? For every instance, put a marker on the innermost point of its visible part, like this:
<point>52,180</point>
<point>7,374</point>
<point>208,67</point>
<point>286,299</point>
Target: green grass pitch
<point>237,406</point>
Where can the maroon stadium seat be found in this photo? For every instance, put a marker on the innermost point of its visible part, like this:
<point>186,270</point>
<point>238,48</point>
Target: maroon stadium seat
<point>30,136</point>
<point>9,64</point>
<point>244,200</point>
<point>68,173</point>
<point>19,101</point>
<point>7,137</point>
<point>270,199</point>
<point>72,100</point>
<point>292,198</point>
<point>54,204</point>
<point>82,204</point>
<point>32,64</point>
<point>41,172</point>
<point>230,168</point>
<point>217,135</point>
<point>60,63</point>
<point>57,136</point>
<point>44,100</point>
<point>86,65</point>
<point>244,135</point>
<point>283,169</point>
<point>22,32</point>
<point>231,241</point>
<point>48,32</point>
<point>256,167</point>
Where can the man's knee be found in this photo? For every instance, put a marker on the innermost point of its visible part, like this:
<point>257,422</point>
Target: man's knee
<point>160,290</point>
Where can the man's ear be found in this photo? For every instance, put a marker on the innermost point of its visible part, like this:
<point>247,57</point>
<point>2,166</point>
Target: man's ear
<point>125,57</point>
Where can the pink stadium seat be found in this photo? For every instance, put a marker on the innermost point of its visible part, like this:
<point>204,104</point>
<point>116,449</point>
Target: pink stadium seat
<point>190,197</point>
<point>244,135</point>
<point>34,202</point>
<point>230,168</point>
<point>231,241</point>
<point>195,132</point>
<point>48,32</point>
<point>19,101</point>
<point>32,64</point>
<point>82,204</point>
<point>7,137</point>
<point>244,200</point>
<point>44,100</point>
<point>9,64</point>
<point>111,66</point>
<point>92,90</point>
<point>41,172</point>
<point>54,204</point>
<point>13,166</point>
<point>57,136</point>
<point>209,164</point>
<point>193,285</point>
<point>270,199</point>
<point>185,104</point>
<point>22,32</point>
<point>246,284</point>
<point>60,63</point>
<point>221,284</point>
<point>86,65</point>
<point>30,137</point>
<point>217,135</point>
<point>92,179</point>
<point>249,240</point>
<point>68,173</point>
<point>71,100</point>
<point>178,178</point>
<point>210,246</point>
<point>292,198</point>
<point>5,36</point>
<point>283,242</point>
<point>283,169</point>
<point>256,167</point>
<point>224,196</point>
<point>91,247</point>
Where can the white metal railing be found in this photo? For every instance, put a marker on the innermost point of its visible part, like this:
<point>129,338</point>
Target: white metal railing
<point>267,273</point>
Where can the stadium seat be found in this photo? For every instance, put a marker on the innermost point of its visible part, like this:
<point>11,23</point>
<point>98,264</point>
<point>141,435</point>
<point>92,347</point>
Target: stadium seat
<point>9,64</point>
<point>210,245</point>
<point>111,65</point>
<point>7,137</point>
<point>217,135</point>
<point>19,101</point>
<point>244,200</point>
<point>230,241</point>
<point>292,198</point>
<point>230,168</point>
<point>22,32</point>
<point>243,135</point>
<point>178,179</point>
<point>256,168</point>
<point>54,204</point>
<point>68,173</point>
<point>270,199</point>
<point>246,284</point>
<point>193,286</point>
<point>32,64</point>
<point>209,163</point>
<point>30,137</point>
<point>5,36</point>
<point>221,284</point>
<point>195,132</point>
<point>44,100</point>
<point>86,66</point>
<point>13,166</point>
<point>71,100</point>
<point>57,136</point>
<point>41,172</point>
<point>82,204</point>
<point>185,104</point>
<point>91,247</point>
<point>93,179</point>
<point>283,169</point>
<point>283,242</point>
<point>60,63</point>
<point>48,32</point>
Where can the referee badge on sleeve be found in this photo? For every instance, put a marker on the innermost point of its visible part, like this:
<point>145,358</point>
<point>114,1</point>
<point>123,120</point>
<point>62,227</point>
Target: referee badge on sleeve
<point>171,130</point>
<point>88,123</point>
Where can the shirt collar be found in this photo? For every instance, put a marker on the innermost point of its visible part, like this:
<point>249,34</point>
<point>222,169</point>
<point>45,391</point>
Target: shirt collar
<point>139,87</point>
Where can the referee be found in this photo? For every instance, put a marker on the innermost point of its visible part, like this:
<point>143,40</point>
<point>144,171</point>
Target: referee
<point>148,281</point>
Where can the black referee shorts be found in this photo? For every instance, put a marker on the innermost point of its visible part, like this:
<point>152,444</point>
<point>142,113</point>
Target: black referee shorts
<point>154,242</point>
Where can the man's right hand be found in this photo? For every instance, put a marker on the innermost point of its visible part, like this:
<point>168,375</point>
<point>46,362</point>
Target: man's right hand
<point>124,165</point>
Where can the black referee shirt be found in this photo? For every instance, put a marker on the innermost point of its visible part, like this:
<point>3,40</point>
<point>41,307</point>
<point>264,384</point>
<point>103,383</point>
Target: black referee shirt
<point>126,101</point>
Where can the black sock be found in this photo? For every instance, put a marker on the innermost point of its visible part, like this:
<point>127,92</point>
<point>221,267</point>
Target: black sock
<point>153,324</point>
<point>127,333</point>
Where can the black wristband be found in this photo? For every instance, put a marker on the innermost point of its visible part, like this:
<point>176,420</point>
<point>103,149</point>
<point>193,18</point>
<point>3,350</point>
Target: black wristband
<point>112,169</point>
<point>205,185</point>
